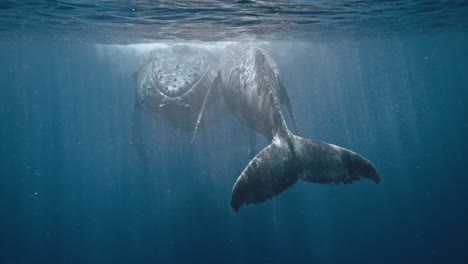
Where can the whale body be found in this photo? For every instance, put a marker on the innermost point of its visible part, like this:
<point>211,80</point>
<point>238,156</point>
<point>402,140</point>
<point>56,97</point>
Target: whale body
<point>250,82</point>
<point>172,82</point>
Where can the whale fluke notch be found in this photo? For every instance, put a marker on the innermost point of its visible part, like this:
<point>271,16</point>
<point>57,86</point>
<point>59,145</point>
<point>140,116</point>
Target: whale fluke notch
<point>279,165</point>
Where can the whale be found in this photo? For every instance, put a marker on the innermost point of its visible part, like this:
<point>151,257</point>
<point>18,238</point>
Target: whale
<point>172,82</point>
<point>253,90</point>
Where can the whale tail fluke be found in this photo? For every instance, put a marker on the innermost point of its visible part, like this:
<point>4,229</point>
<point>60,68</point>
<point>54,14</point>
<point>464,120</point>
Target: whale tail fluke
<point>270,172</point>
<point>326,163</point>
<point>280,164</point>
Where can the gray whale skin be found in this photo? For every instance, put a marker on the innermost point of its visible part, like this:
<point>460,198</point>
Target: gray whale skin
<point>249,79</point>
<point>172,82</point>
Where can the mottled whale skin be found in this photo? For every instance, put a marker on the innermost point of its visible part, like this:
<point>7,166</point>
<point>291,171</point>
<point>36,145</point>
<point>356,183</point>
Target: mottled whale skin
<point>250,81</point>
<point>173,82</point>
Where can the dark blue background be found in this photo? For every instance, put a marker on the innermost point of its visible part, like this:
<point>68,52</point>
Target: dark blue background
<point>72,189</point>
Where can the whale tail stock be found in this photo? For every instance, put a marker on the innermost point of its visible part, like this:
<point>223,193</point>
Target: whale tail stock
<point>289,158</point>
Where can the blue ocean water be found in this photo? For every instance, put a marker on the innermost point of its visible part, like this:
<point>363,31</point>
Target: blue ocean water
<point>387,79</point>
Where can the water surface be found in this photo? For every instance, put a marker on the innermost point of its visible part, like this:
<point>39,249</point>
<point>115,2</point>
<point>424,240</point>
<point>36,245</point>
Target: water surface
<point>386,79</point>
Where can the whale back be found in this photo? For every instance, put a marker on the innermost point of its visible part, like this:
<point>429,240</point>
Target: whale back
<point>252,86</point>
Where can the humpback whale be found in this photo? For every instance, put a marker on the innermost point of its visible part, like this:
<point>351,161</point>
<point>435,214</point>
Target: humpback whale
<point>173,82</point>
<point>250,82</point>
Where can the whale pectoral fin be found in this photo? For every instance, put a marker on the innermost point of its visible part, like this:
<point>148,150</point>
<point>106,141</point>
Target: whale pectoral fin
<point>214,85</point>
<point>137,138</point>
<point>287,102</point>
<point>270,172</point>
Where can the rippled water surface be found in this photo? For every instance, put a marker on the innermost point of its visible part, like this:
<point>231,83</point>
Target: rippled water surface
<point>385,79</point>
<point>149,21</point>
